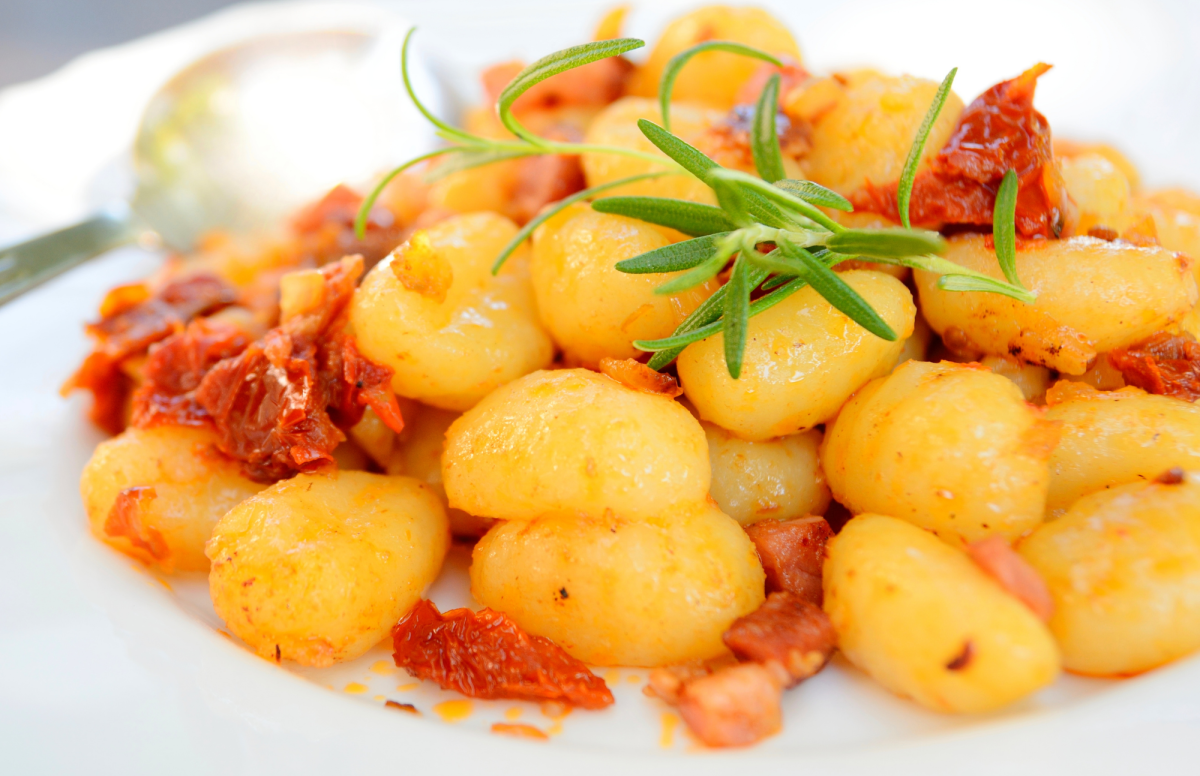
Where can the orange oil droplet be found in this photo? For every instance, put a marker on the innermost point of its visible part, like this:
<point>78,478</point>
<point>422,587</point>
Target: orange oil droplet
<point>669,722</point>
<point>453,711</point>
<point>519,731</point>
<point>165,584</point>
<point>555,709</point>
<point>612,676</point>
<point>514,713</point>
<point>354,688</point>
<point>383,667</point>
<point>633,679</point>
<point>555,728</point>
<point>407,687</point>
<point>378,697</point>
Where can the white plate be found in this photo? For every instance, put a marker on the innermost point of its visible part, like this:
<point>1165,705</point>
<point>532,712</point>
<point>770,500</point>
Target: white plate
<point>108,668</point>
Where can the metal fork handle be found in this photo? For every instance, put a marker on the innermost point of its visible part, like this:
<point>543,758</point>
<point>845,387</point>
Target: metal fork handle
<point>33,262</point>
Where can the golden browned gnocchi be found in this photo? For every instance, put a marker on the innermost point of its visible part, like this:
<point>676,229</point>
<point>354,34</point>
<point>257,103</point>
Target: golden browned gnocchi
<point>156,494</point>
<point>1100,191</point>
<point>714,78</point>
<point>592,310</point>
<point>1123,567</point>
<point>803,360</point>
<point>777,478</point>
<point>318,568</point>
<point>922,620</point>
<point>611,590</point>
<point>954,449</point>
<point>451,331</point>
<point>875,114</point>
<point>574,440</point>
<point>1113,438</point>
<point>1093,296</point>
<point>916,347</point>
<point>1176,216</point>
<point>1033,380</point>
<point>617,125</point>
<point>418,453</point>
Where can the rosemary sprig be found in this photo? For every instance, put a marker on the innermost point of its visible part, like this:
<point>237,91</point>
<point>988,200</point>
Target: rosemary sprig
<point>770,210</point>
<point>1004,226</point>
<point>909,174</point>
<point>666,82</point>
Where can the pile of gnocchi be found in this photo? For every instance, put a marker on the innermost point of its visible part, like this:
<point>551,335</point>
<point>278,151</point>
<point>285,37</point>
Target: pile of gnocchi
<point>1006,491</point>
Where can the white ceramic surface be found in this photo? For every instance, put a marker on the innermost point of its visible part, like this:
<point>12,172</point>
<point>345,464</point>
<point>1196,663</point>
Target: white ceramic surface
<point>105,668</point>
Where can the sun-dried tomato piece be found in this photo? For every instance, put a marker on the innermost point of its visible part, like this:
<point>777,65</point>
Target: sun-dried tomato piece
<point>997,132</point>
<point>792,554</point>
<point>175,368</point>
<point>325,230</point>
<point>124,520</point>
<point>486,655</point>
<point>355,383</point>
<point>131,323</point>
<point>271,404</point>
<point>135,328</point>
<point>1166,364</point>
<point>109,386</point>
<point>268,407</point>
<point>788,635</point>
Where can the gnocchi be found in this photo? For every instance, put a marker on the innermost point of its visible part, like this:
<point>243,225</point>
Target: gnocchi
<point>1093,296</point>
<point>318,568</point>
<point>592,310</point>
<point>449,330</point>
<point>574,440</point>
<point>776,479</point>
<point>156,494</point>
<point>614,590</point>
<point>803,359</point>
<point>922,620</point>
<point>1123,567</point>
<point>951,448</point>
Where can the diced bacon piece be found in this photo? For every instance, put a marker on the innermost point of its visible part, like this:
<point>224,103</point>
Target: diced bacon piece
<point>542,180</point>
<point>666,682</point>
<point>484,654</point>
<point>792,554</point>
<point>736,706</point>
<point>1002,564</point>
<point>788,635</point>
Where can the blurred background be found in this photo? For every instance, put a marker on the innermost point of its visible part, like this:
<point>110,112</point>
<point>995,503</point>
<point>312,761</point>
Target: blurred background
<point>39,36</point>
<point>1125,70</point>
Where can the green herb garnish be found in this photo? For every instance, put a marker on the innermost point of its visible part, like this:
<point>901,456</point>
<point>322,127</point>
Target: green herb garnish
<point>752,212</point>
<point>1004,226</point>
<point>909,174</point>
